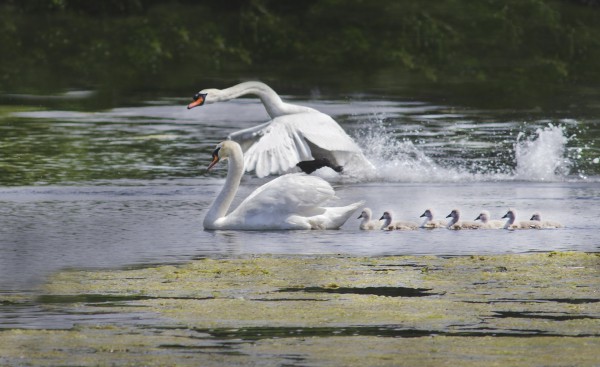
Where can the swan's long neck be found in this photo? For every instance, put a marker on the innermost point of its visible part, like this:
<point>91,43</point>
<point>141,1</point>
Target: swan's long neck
<point>223,201</point>
<point>273,104</point>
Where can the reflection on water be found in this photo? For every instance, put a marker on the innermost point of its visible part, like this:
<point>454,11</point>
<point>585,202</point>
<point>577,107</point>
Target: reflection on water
<point>128,185</point>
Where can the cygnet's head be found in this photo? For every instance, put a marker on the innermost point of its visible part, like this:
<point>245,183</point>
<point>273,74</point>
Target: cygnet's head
<point>428,213</point>
<point>511,214</point>
<point>205,96</point>
<point>536,216</point>
<point>454,214</point>
<point>387,215</point>
<point>484,216</point>
<point>365,214</point>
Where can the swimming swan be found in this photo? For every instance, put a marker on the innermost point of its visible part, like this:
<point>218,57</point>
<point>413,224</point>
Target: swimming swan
<point>544,223</point>
<point>511,222</point>
<point>389,224</point>
<point>293,135</point>
<point>292,201</point>
<point>366,223</point>
<point>456,223</point>
<point>429,223</point>
<point>488,223</point>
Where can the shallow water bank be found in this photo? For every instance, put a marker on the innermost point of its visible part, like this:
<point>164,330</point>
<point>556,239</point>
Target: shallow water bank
<point>521,309</point>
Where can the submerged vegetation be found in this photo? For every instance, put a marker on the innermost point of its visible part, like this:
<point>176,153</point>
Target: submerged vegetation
<point>495,52</point>
<point>518,310</point>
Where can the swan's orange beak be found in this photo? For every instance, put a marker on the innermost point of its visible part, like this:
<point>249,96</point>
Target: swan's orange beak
<point>214,161</point>
<point>199,100</point>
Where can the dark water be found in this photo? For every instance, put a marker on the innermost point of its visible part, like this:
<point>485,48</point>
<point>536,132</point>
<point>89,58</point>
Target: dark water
<point>128,185</point>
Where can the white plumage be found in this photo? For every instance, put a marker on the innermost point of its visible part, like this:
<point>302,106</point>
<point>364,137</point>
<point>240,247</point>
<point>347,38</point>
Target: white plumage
<point>537,217</point>
<point>367,223</point>
<point>292,201</point>
<point>511,222</point>
<point>295,133</point>
<point>488,223</point>
<point>429,222</point>
<point>389,223</point>
<point>456,223</point>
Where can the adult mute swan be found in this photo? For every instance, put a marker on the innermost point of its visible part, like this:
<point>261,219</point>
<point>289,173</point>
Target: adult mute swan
<point>292,201</point>
<point>537,217</point>
<point>511,223</point>
<point>294,134</point>
<point>389,224</point>
<point>366,223</point>
<point>456,223</point>
<point>488,223</point>
<point>429,223</point>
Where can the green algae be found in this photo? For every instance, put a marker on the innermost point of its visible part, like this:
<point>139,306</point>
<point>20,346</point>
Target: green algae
<point>525,309</point>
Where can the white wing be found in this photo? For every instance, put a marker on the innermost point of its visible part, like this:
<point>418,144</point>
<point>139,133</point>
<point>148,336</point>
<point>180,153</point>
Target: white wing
<point>275,147</point>
<point>291,194</point>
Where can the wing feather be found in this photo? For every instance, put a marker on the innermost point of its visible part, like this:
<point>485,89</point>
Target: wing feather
<point>278,145</point>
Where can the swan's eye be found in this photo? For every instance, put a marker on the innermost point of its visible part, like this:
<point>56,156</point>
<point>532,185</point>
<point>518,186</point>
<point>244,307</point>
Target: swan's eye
<point>198,96</point>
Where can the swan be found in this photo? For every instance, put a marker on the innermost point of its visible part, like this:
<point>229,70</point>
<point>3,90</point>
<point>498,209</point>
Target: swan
<point>456,223</point>
<point>294,134</point>
<point>367,223</point>
<point>291,201</point>
<point>429,223</point>
<point>488,223</point>
<point>537,217</point>
<point>511,223</point>
<point>389,224</point>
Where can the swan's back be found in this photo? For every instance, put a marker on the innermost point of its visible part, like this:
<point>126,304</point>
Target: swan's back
<point>292,201</point>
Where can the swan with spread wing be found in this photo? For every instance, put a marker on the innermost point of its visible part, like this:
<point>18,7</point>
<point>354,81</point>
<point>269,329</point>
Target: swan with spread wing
<point>291,201</point>
<point>295,134</point>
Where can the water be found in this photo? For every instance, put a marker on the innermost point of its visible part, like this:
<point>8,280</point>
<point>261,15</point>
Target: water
<point>128,186</point>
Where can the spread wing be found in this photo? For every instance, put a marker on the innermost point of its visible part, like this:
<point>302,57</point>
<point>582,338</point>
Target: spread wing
<point>276,146</point>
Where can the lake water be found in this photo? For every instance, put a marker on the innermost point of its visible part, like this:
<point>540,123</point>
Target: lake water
<point>128,186</point>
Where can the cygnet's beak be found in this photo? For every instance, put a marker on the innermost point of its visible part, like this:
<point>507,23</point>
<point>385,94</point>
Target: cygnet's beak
<point>422,215</point>
<point>360,216</point>
<point>505,216</point>
<point>449,215</point>
<point>382,217</point>
<point>478,217</point>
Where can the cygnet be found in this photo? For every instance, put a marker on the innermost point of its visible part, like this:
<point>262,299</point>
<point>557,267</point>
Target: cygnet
<point>367,223</point>
<point>456,223</point>
<point>389,224</point>
<point>511,222</point>
<point>487,223</point>
<point>537,217</point>
<point>429,223</point>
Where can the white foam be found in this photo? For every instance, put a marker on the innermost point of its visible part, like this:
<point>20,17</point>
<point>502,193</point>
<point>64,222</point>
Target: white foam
<point>540,157</point>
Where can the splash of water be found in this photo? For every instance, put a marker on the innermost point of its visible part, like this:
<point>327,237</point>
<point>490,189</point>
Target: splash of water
<point>540,157</point>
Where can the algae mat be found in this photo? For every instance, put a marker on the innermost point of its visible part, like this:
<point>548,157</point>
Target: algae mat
<point>518,310</point>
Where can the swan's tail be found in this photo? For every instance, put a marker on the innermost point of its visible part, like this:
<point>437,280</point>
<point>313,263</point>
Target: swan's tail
<point>335,217</point>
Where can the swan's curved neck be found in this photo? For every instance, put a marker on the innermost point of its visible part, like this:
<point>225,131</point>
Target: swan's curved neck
<point>425,221</point>
<point>273,104</point>
<point>223,201</point>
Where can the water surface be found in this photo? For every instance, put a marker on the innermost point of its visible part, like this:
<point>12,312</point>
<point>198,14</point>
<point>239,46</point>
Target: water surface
<point>128,186</point>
